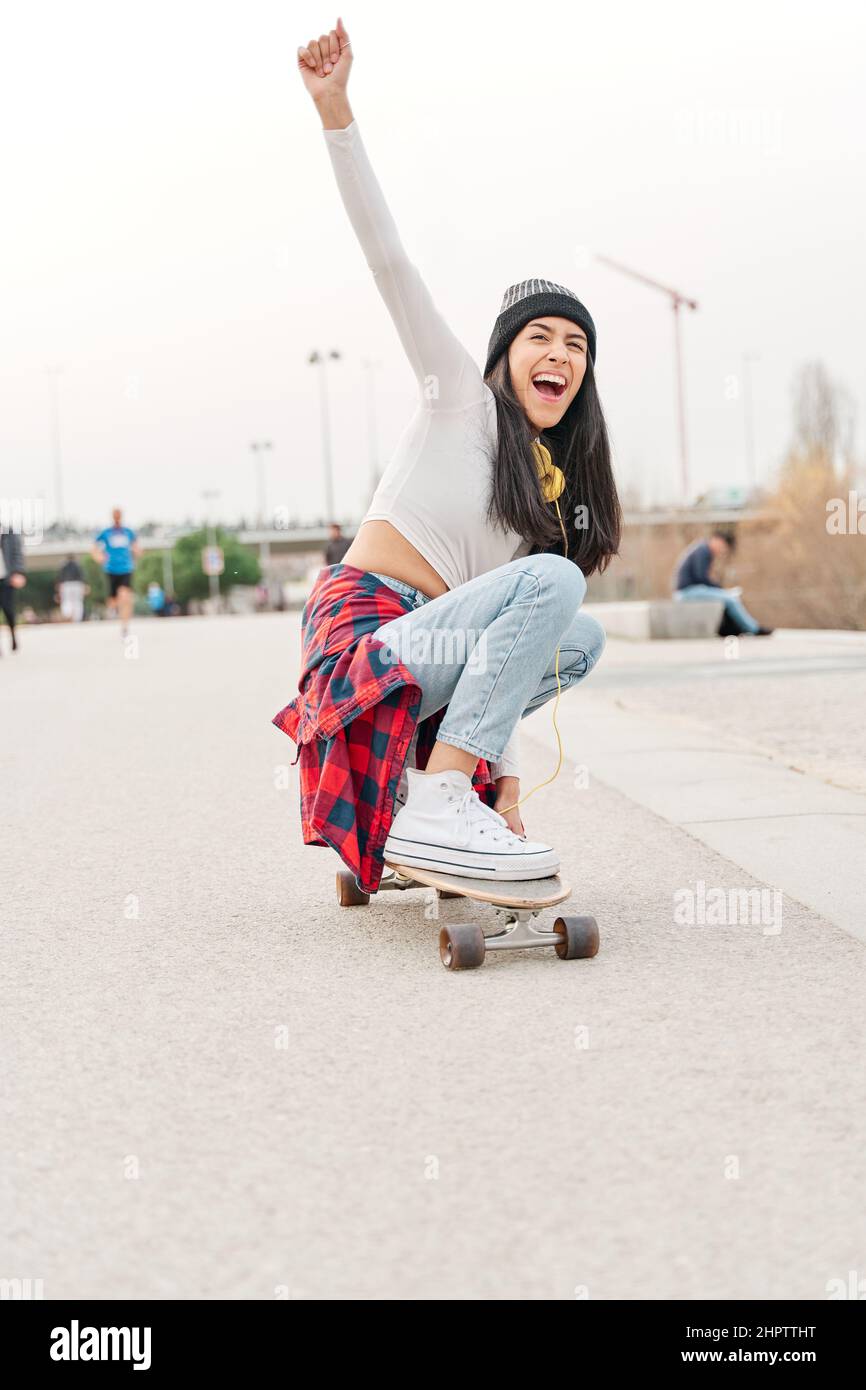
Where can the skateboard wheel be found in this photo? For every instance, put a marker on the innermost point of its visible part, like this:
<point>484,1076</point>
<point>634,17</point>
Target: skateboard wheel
<point>348,892</point>
<point>579,937</point>
<point>461,947</point>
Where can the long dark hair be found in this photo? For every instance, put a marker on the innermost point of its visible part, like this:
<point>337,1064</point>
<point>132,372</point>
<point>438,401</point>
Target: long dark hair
<point>579,445</point>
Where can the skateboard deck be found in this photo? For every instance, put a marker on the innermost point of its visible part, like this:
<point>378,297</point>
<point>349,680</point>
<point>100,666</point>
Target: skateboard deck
<point>529,893</point>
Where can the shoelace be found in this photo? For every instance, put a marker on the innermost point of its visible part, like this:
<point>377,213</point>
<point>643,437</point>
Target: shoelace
<point>468,811</point>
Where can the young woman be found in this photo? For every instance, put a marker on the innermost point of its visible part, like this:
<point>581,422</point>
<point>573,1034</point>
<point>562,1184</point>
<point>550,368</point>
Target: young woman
<point>467,573</point>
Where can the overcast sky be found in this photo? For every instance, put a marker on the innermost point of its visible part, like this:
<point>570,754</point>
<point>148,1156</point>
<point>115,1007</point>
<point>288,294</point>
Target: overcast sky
<point>173,239</point>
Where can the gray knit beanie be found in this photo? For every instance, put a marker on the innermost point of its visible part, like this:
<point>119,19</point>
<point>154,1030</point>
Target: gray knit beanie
<point>531,299</point>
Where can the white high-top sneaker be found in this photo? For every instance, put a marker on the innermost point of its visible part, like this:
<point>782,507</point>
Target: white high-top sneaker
<point>445,825</point>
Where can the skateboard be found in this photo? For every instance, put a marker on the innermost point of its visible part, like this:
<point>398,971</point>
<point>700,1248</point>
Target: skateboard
<point>463,946</point>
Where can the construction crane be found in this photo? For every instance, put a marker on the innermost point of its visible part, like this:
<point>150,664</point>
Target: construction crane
<point>677,302</point>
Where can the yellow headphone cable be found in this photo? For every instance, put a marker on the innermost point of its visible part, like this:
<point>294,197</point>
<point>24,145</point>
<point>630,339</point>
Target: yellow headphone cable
<point>552,485</point>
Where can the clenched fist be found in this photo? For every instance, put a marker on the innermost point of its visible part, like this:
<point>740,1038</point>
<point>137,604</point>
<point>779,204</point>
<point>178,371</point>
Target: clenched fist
<point>325,63</point>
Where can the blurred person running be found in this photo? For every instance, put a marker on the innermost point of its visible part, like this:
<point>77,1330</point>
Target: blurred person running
<point>116,549</point>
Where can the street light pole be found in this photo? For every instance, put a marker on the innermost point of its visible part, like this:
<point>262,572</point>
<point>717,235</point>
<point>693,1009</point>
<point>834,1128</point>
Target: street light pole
<point>677,302</point>
<point>319,359</point>
<point>372,425</point>
<point>258,447</point>
<point>749,419</point>
<point>681,402</point>
<point>214,582</point>
<point>53,374</point>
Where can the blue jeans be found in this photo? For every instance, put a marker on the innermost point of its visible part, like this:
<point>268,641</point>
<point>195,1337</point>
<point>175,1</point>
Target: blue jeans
<point>734,609</point>
<point>487,648</point>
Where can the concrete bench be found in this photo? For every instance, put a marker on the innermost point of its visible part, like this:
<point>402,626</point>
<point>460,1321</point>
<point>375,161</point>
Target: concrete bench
<point>647,619</point>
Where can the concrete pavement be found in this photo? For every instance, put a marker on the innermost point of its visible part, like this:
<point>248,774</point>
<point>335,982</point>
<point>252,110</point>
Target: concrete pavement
<point>756,747</point>
<point>219,1084</point>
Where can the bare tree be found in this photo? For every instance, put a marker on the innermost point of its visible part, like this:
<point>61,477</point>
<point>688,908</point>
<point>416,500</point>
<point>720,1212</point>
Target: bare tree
<point>825,571</point>
<point>824,418</point>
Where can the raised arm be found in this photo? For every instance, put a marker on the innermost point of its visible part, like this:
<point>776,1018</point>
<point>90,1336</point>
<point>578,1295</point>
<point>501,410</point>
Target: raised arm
<point>447,375</point>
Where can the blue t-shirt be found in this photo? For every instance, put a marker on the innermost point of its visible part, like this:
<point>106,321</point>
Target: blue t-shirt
<point>118,544</point>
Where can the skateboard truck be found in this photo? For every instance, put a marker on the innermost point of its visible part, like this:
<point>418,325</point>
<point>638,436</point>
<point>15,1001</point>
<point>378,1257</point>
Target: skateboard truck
<point>516,930</point>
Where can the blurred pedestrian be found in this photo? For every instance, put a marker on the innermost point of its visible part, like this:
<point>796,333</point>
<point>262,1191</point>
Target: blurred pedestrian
<point>156,598</point>
<point>12,577</point>
<point>71,589</point>
<point>337,545</point>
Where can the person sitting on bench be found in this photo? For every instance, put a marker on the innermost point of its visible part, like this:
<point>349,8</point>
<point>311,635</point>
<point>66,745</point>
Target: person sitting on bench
<point>692,581</point>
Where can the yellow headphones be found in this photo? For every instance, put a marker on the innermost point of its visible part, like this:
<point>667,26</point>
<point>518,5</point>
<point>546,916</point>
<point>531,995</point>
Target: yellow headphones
<point>552,478</point>
<point>552,481</point>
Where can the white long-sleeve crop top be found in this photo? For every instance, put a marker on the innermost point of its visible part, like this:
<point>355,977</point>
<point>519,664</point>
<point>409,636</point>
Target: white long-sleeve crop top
<point>436,487</point>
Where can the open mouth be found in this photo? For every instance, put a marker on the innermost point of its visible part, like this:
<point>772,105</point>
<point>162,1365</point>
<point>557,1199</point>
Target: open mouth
<point>549,385</point>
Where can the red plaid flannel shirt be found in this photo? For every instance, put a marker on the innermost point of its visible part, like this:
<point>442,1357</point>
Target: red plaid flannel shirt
<point>354,719</point>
